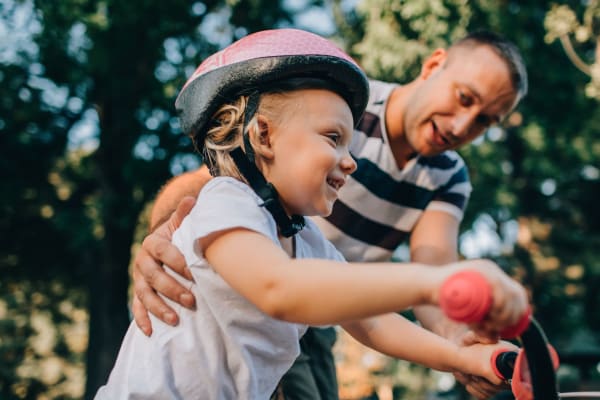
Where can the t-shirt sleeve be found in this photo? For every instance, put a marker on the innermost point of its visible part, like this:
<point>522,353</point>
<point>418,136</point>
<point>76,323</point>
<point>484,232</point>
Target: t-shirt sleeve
<point>225,204</point>
<point>453,196</point>
<point>318,245</point>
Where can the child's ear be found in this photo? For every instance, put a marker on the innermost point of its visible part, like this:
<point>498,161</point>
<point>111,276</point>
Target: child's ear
<point>262,137</point>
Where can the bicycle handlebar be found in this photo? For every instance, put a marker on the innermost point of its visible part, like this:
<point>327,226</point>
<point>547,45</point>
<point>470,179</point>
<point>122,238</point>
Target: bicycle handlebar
<point>467,297</point>
<point>531,370</point>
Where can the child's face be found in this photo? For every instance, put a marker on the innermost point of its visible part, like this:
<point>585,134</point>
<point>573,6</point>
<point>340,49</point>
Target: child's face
<point>310,158</point>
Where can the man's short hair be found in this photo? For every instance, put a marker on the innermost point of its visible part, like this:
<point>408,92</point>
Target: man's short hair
<point>506,50</point>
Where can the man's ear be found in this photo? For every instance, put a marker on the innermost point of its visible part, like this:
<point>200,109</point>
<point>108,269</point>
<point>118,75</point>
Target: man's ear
<point>261,137</point>
<point>436,60</point>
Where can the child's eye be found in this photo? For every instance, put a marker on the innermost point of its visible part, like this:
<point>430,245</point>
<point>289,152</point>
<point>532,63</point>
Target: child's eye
<point>334,137</point>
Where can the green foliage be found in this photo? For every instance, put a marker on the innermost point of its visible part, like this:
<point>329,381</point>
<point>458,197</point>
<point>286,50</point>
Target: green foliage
<point>396,35</point>
<point>111,69</point>
<point>549,164</point>
<point>69,208</point>
<point>43,338</point>
<point>538,172</point>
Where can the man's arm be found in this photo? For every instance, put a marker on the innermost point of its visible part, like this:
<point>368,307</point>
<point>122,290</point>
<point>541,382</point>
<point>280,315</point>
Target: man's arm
<point>434,241</point>
<point>187,184</point>
<point>172,204</point>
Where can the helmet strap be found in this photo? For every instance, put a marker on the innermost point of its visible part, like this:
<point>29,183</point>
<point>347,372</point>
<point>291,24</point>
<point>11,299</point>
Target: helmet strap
<point>265,190</point>
<point>288,226</point>
<point>251,107</point>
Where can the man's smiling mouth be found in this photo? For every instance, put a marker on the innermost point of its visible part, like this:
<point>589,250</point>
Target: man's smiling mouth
<point>438,134</point>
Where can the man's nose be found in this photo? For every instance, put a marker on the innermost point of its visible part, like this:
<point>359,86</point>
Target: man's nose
<point>463,123</point>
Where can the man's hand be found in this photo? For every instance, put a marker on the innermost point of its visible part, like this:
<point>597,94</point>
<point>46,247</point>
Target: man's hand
<point>479,387</point>
<point>150,277</point>
<point>460,334</point>
<point>434,241</point>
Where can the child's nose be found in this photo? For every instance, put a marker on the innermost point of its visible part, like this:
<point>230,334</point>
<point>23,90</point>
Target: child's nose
<point>347,163</point>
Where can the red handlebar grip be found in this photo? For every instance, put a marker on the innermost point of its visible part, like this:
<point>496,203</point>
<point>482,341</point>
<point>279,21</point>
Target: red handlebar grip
<point>466,297</point>
<point>503,363</point>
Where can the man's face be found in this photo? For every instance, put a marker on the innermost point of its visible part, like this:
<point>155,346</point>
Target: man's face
<point>462,92</point>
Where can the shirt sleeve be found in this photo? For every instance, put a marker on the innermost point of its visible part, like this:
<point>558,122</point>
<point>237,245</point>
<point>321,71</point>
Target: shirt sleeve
<point>453,196</point>
<point>225,203</point>
<point>317,245</point>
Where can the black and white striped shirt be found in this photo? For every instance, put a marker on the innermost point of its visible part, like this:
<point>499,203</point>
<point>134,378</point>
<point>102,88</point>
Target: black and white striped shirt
<point>380,204</point>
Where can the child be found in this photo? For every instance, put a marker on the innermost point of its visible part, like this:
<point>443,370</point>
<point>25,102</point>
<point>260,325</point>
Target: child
<point>273,115</point>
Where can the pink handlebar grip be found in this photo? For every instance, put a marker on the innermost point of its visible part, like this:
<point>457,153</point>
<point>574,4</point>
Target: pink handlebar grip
<point>467,297</point>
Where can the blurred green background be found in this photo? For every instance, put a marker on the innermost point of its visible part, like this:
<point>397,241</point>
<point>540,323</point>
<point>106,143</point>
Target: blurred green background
<point>88,135</point>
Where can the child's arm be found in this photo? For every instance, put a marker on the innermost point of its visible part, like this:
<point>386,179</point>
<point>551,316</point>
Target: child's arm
<point>397,337</point>
<point>318,292</point>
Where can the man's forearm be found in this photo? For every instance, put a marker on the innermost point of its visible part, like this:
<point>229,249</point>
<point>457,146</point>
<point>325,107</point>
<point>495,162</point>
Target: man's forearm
<point>431,317</point>
<point>187,184</point>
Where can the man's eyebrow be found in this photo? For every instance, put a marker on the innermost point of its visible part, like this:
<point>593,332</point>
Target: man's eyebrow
<point>473,90</point>
<point>496,118</point>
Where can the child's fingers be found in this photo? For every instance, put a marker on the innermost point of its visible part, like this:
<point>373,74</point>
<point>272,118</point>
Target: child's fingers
<point>509,306</point>
<point>503,313</point>
<point>487,332</point>
<point>485,296</point>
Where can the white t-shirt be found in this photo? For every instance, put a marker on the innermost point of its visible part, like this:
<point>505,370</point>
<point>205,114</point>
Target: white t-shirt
<point>227,348</point>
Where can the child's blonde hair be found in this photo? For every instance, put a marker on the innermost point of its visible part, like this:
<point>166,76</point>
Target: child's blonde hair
<point>225,132</point>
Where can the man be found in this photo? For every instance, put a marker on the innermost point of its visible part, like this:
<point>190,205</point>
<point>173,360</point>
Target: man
<point>409,185</point>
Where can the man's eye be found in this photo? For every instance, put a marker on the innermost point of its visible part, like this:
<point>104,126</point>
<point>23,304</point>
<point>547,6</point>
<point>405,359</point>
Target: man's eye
<point>465,99</point>
<point>484,120</point>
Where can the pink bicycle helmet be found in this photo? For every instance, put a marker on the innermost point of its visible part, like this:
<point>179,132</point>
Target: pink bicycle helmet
<point>263,58</point>
<point>259,63</point>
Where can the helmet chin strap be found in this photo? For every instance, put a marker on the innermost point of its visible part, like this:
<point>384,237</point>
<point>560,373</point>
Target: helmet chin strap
<point>288,226</point>
<point>265,190</point>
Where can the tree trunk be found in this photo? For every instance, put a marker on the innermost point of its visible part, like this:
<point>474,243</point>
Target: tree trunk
<point>109,317</point>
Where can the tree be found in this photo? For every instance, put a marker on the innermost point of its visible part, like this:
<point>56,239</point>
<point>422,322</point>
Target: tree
<point>114,68</point>
<point>535,176</point>
<point>111,70</point>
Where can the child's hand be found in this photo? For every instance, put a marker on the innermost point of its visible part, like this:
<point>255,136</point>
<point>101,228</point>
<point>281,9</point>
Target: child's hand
<point>475,361</point>
<point>474,384</point>
<point>490,304</point>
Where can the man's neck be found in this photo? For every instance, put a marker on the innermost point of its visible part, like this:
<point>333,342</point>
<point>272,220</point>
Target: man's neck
<point>394,124</point>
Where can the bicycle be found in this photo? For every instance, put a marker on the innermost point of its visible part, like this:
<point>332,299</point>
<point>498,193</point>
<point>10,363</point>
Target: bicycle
<point>531,372</point>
